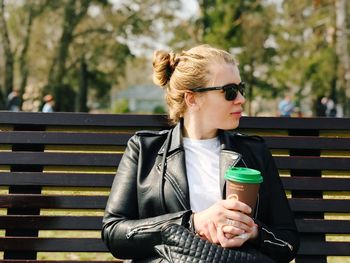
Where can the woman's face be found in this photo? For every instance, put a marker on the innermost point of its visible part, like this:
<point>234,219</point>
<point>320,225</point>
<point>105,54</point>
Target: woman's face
<point>215,112</point>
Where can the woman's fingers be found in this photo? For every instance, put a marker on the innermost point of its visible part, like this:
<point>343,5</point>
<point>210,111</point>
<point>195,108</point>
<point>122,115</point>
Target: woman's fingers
<point>213,233</point>
<point>235,224</point>
<point>233,204</point>
<point>234,231</point>
<point>224,212</point>
<point>236,241</point>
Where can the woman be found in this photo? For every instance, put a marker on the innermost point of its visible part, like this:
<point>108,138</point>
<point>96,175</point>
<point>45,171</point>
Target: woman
<point>176,175</point>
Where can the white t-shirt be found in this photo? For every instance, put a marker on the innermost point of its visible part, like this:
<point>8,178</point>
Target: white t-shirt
<point>202,165</point>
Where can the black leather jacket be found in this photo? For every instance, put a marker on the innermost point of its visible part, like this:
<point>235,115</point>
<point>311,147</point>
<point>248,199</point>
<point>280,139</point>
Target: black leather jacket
<point>150,190</point>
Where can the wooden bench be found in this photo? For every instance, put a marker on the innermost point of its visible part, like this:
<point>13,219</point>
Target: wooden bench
<point>56,170</point>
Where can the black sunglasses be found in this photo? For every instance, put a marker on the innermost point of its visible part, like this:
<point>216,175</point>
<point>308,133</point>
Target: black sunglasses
<point>230,90</point>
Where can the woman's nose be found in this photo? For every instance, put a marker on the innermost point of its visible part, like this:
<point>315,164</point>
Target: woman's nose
<point>240,99</point>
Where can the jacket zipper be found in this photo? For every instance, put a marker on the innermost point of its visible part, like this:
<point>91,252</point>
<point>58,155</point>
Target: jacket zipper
<point>149,228</point>
<point>282,242</point>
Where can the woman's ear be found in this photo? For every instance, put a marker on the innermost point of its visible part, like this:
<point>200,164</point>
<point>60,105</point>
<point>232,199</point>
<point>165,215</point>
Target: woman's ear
<point>190,99</point>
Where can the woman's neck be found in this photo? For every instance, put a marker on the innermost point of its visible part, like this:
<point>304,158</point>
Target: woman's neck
<point>193,129</point>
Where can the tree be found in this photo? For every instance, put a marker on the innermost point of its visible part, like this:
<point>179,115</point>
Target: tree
<point>305,60</point>
<point>32,9</point>
<point>343,57</point>
<point>243,27</point>
<point>53,42</point>
<point>9,56</point>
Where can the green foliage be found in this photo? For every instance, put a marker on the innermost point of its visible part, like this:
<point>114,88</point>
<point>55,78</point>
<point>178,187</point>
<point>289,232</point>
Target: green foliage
<point>121,106</point>
<point>286,47</point>
<point>159,110</point>
<point>64,32</point>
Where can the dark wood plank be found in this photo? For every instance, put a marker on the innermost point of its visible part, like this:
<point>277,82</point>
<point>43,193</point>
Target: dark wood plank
<point>160,121</point>
<point>55,179</point>
<point>316,183</point>
<point>312,163</point>
<point>64,138</point>
<point>52,201</point>
<point>325,248</point>
<point>94,223</point>
<point>319,205</point>
<point>83,119</point>
<point>112,160</point>
<point>66,159</point>
<point>58,261</point>
<point>52,244</point>
<point>323,226</point>
<point>120,139</point>
<point>105,180</point>
<point>99,202</point>
<point>277,123</point>
<point>50,222</point>
<point>307,142</point>
<point>96,245</point>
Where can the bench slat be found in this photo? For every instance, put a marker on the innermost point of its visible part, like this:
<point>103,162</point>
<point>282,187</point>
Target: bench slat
<point>99,202</point>
<point>67,159</point>
<point>84,119</point>
<point>63,138</point>
<point>316,183</point>
<point>112,160</point>
<point>120,139</point>
<point>52,244</point>
<point>50,222</point>
<point>58,261</point>
<point>52,201</point>
<point>105,180</point>
<point>96,245</point>
<point>312,163</point>
<point>324,248</point>
<point>319,205</point>
<point>56,179</point>
<point>160,121</point>
<point>94,223</point>
<point>307,142</point>
<point>323,226</point>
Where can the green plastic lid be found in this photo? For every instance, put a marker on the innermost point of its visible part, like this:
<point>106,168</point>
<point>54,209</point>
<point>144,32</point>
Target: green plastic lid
<point>243,175</point>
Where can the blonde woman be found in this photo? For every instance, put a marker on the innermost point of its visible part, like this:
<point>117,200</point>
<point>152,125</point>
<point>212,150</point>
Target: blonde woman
<point>176,175</point>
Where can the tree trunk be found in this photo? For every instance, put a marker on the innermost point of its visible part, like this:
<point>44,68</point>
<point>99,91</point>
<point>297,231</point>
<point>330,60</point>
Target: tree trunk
<point>83,87</point>
<point>23,63</point>
<point>343,85</point>
<point>70,20</point>
<point>9,61</point>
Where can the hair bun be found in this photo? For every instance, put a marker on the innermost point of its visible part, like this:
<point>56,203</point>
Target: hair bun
<point>164,64</point>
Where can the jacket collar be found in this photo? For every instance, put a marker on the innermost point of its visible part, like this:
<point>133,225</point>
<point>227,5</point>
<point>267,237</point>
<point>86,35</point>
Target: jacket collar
<point>175,137</point>
<point>228,152</point>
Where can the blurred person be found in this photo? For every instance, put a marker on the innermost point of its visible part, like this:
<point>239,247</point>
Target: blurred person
<point>13,101</point>
<point>286,107</point>
<point>321,106</point>
<point>49,103</point>
<point>175,176</point>
<point>331,110</point>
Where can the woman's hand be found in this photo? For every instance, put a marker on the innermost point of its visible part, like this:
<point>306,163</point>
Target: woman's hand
<point>224,222</point>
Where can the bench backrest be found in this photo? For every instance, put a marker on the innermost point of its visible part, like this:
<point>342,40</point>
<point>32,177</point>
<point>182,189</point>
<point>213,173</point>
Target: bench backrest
<point>56,170</point>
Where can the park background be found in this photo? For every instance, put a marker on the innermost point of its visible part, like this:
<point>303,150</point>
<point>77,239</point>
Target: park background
<point>95,56</point>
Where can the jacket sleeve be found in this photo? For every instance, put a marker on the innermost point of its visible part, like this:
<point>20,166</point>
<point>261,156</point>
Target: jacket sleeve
<point>125,235</point>
<point>278,236</point>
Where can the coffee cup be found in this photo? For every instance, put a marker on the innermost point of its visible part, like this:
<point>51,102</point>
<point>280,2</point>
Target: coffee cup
<point>243,184</point>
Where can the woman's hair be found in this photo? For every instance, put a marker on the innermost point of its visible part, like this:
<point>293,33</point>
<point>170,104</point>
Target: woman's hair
<point>179,73</point>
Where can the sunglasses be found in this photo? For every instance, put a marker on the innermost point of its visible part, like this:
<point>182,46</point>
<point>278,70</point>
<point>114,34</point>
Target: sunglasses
<point>231,90</point>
